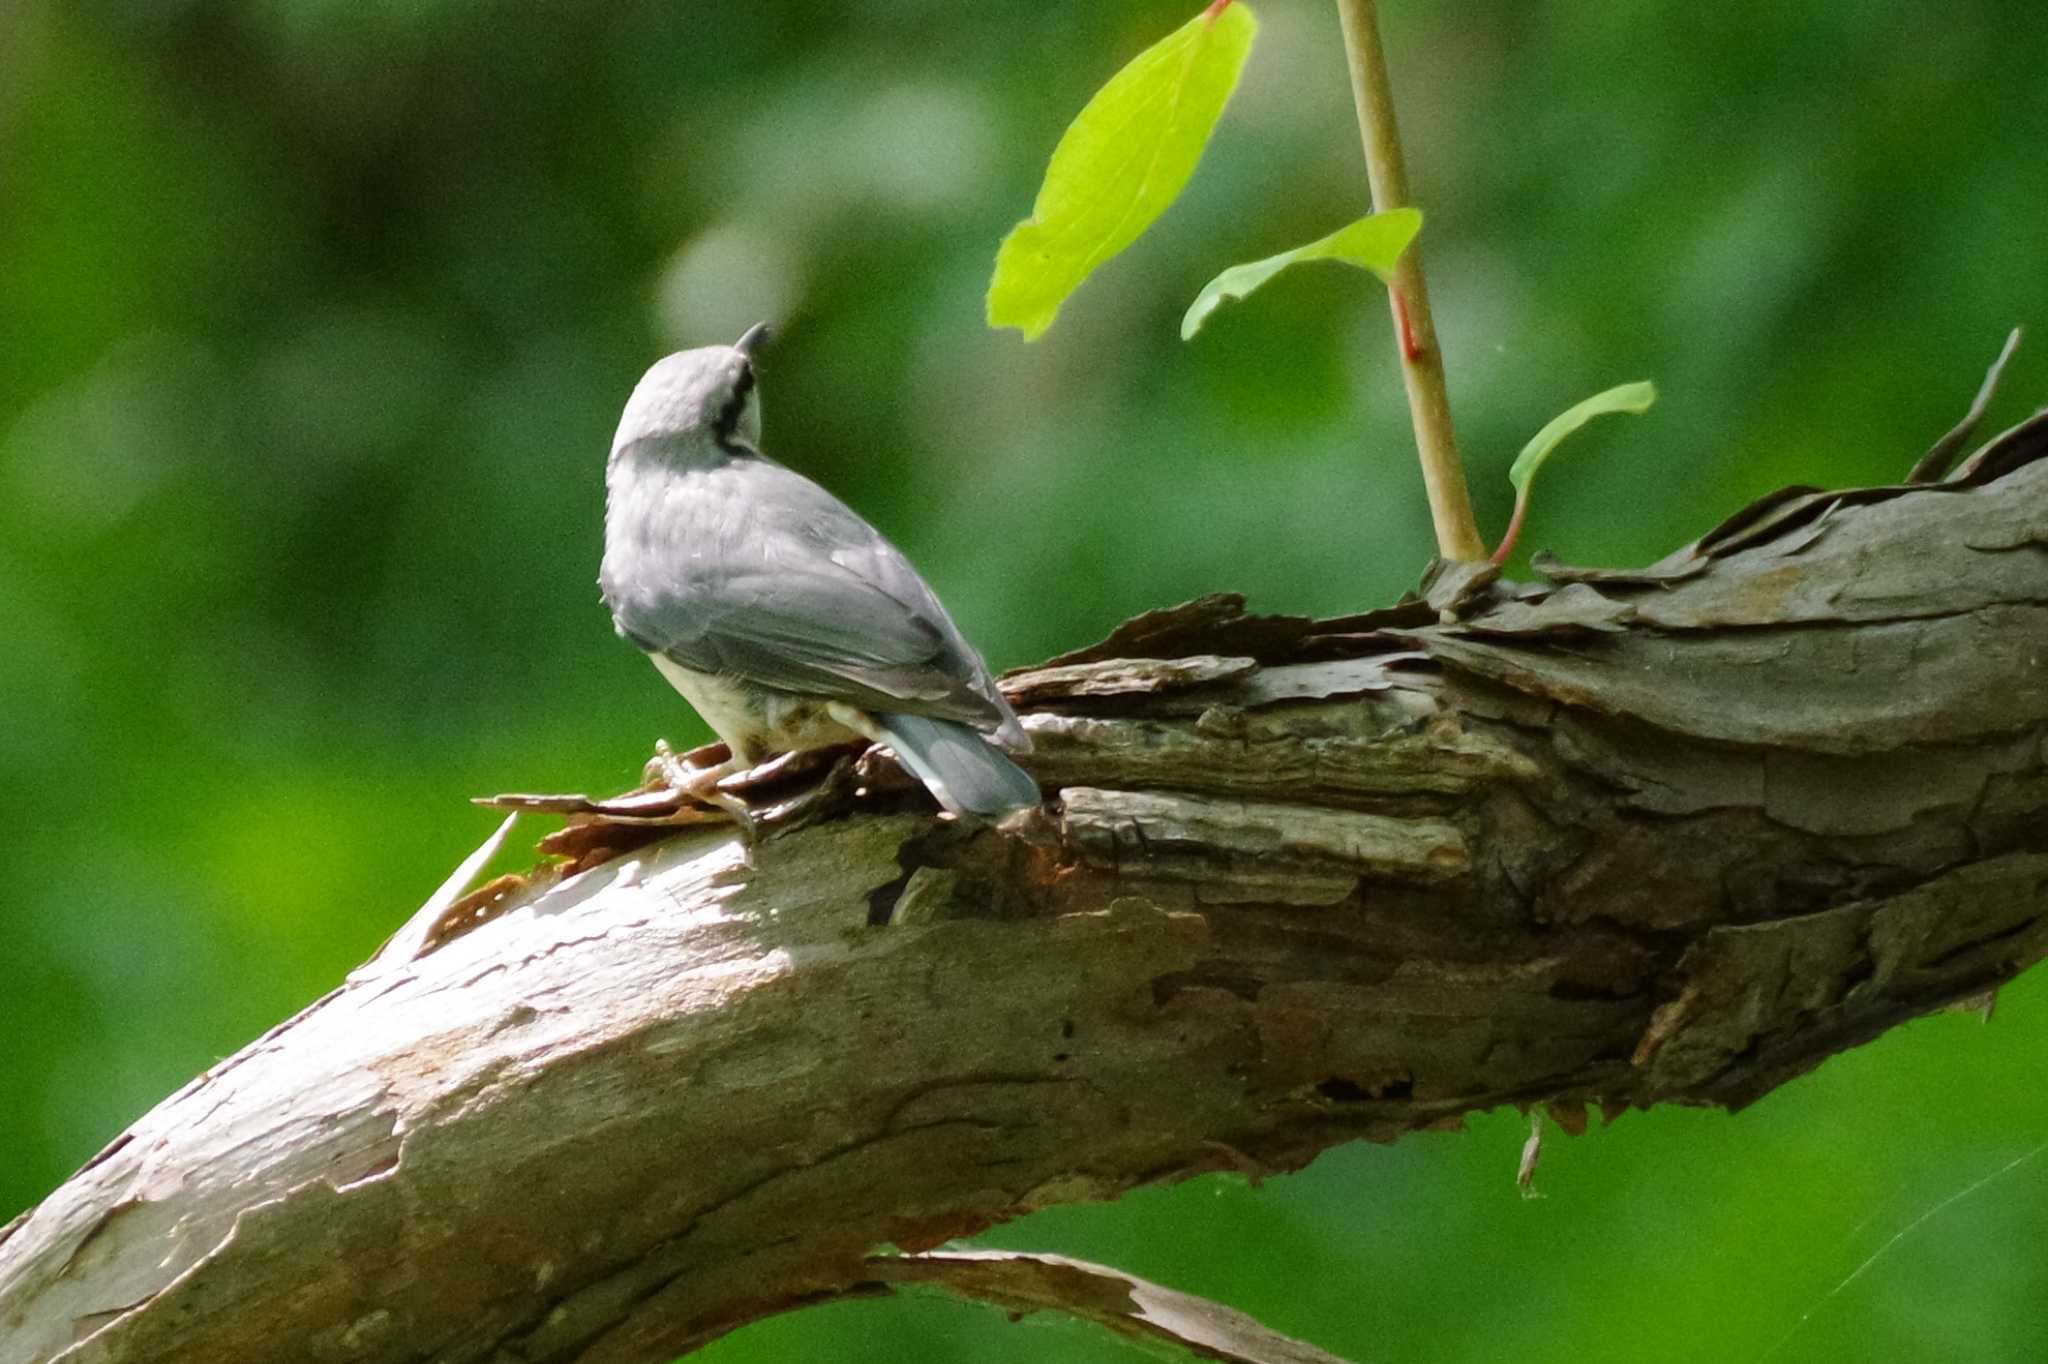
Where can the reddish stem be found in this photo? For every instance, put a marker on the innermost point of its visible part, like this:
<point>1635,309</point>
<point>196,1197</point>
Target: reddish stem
<point>1514,531</point>
<point>1216,8</point>
<point>1409,345</point>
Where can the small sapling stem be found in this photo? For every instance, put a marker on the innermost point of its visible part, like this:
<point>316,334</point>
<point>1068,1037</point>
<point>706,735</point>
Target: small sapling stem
<point>1422,368</point>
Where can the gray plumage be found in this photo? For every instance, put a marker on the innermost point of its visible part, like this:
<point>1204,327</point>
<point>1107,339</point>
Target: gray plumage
<point>781,615</point>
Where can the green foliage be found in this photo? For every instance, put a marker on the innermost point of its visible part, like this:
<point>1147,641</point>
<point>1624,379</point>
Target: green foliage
<point>1635,397</point>
<point>1119,165</point>
<point>316,320</point>
<point>1375,242</point>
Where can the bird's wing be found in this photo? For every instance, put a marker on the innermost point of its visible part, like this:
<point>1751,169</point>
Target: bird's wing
<point>750,570</point>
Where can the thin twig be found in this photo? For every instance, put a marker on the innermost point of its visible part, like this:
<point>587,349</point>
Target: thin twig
<point>1429,406</point>
<point>1937,460</point>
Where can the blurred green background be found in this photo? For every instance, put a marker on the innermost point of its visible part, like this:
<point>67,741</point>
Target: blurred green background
<point>316,315</point>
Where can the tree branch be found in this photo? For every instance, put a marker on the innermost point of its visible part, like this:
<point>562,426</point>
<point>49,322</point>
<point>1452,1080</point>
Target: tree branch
<point>1674,835</point>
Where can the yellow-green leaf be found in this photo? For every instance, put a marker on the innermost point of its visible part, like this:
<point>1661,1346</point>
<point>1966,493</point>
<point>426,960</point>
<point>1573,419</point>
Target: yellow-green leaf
<point>1119,165</point>
<point>1635,397</point>
<point>1372,243</point>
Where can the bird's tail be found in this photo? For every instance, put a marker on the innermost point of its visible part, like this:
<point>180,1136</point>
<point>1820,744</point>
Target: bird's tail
<point>958,766</point>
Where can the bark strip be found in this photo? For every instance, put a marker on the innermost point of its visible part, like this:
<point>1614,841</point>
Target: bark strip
<point>1673,835</point>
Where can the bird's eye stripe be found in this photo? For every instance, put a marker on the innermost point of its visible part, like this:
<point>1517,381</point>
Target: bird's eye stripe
<point>729,415</point>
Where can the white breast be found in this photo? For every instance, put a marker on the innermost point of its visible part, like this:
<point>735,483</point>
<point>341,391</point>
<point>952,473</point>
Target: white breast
<point>754,722</point>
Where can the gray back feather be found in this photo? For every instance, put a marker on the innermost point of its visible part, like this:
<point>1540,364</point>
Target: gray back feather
<point>729,563</point>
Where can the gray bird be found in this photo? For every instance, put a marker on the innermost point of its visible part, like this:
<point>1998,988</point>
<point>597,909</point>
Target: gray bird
<point>785,619</point>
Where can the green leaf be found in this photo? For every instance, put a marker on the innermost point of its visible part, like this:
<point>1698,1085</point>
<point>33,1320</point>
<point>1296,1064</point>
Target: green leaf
<point>1635,397</point>
<point>1119,165</point>
<point>1372,243</point>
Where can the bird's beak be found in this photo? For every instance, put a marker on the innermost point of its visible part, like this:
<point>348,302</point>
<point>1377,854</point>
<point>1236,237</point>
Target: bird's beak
<point>754,338</point>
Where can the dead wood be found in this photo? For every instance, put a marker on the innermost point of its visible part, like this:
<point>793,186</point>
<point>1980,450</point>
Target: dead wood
<point>1666,836</point>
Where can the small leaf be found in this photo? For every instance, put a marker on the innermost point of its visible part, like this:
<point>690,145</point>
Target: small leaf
<point>1119,165</point>
<point>1635,397</point>
<point>1374,243</point>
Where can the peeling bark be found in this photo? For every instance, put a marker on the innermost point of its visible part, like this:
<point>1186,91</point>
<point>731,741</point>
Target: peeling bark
<point>1666,836</point>
<point>1130,1306</point>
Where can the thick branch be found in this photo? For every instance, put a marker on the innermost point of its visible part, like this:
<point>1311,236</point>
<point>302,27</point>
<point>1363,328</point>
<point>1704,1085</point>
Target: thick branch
<point>1670,836</point>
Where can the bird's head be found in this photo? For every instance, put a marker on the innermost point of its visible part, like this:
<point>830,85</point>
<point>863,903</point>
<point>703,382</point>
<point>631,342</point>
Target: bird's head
<point>705,395</point>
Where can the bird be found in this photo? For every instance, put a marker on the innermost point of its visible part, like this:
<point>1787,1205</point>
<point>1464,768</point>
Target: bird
<point>784,618</point>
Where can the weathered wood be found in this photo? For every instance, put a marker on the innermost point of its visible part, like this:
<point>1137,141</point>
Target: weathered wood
<point>1132,1307</point>
<point>1669,836</point>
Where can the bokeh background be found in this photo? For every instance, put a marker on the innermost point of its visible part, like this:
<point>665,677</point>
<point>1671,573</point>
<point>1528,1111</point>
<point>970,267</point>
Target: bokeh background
<point>316,315</point>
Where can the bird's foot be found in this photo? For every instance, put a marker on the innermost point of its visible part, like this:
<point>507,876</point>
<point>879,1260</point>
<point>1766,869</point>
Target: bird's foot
<point>703,784</point>
<point>779,765</point>
<point>672,769</point>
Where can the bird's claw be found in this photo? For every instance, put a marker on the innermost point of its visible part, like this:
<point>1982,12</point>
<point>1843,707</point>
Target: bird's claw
<point>666,767</point>
<point>702,784</point>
